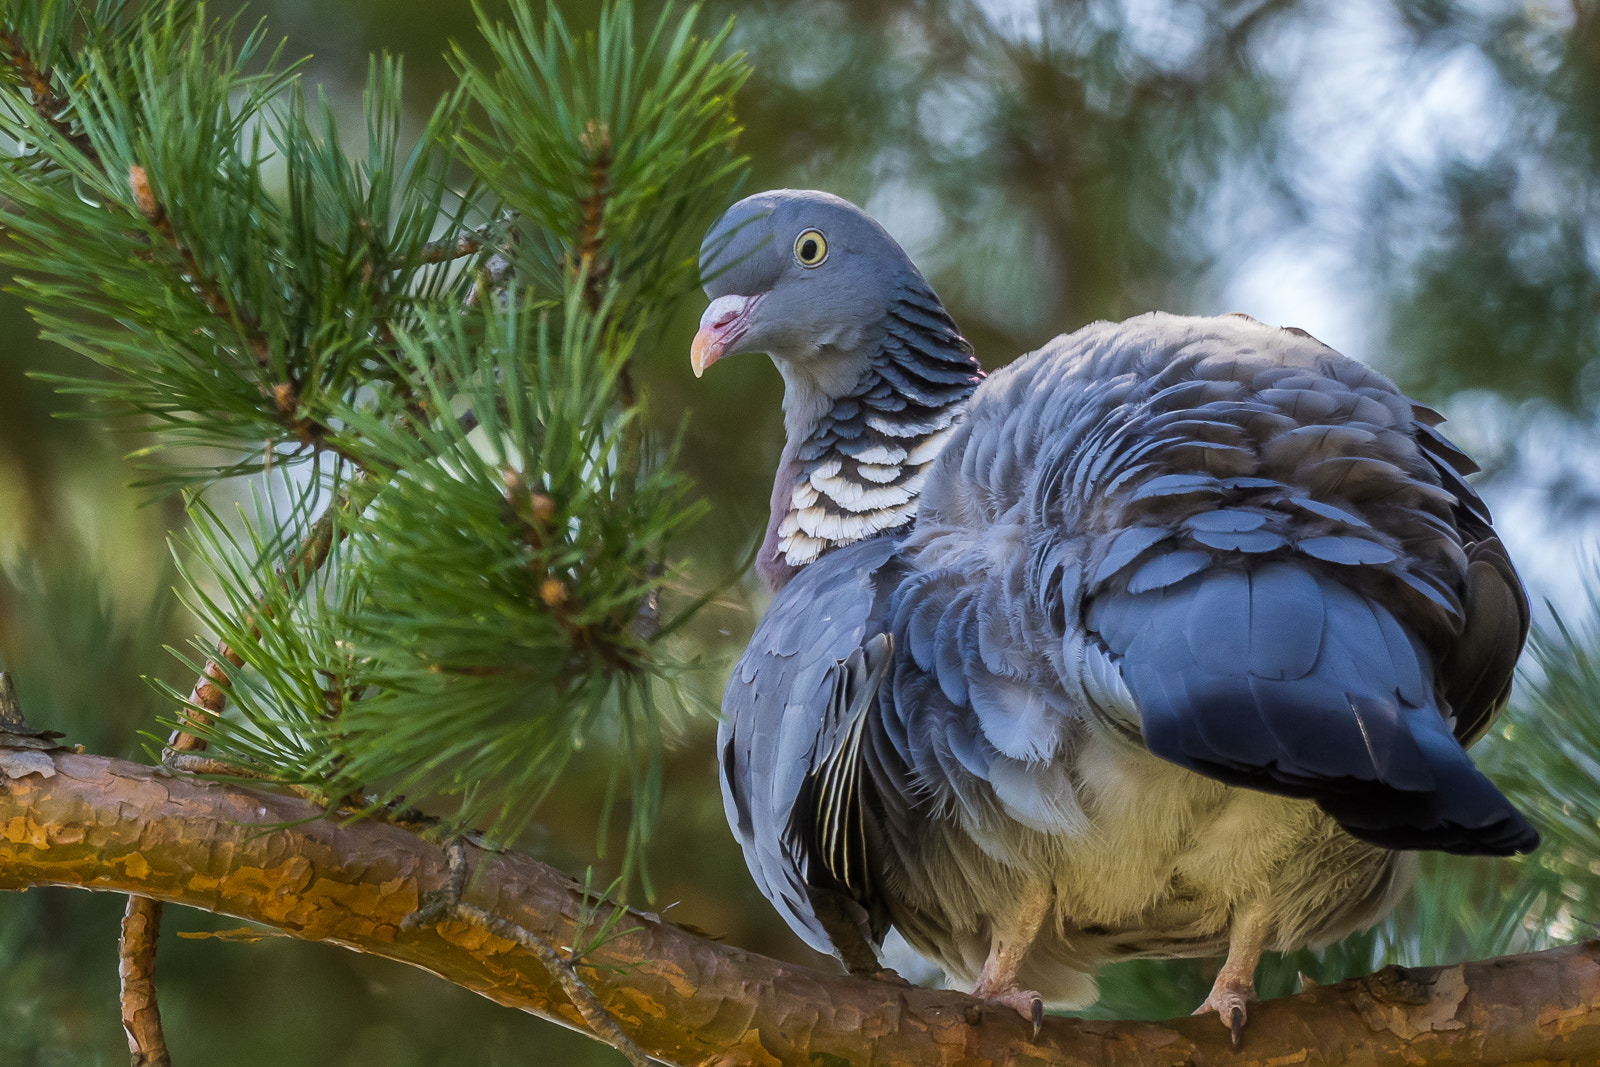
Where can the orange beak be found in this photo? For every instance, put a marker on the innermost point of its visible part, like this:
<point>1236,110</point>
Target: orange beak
<point>721,327</point>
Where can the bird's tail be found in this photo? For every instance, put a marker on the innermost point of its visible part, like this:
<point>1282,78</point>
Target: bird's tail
<point>1280,678</point>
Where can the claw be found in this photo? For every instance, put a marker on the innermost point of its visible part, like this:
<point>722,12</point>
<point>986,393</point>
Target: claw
<point>1025,1002</point>
<point>1231,1008</point>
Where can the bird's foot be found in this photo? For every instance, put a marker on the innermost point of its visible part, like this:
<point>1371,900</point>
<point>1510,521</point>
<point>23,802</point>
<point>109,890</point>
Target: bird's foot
<point>1025,1002</point>
<point>997,982</point>
<point>1229,1001</point>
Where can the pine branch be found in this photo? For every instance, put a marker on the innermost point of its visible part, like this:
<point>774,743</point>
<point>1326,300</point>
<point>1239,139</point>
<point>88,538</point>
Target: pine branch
<point>136,968</point>
<point>46,104</point>
<point>175,222</point>
<point>115,826</point>
<point>460,246</point>
<point>447,904</point>
<point>207,289</point>
<point>503,575</point>
<point>207,700</point>
<point>588,260</point>
<point>286,394</point>
<point>245,280</point>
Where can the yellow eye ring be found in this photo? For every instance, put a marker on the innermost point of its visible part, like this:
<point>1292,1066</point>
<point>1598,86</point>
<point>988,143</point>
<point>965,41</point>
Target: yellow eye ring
<point>810,248</point>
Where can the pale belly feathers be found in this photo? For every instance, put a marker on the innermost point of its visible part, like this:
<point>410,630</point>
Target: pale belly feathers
<point>1160,864</point>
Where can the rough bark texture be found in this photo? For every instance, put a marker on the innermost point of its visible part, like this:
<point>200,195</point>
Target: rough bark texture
<point>136,966</point>
<point>117,826</point>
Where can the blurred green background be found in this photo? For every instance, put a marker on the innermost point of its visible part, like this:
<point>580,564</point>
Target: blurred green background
<point>1415,182</point>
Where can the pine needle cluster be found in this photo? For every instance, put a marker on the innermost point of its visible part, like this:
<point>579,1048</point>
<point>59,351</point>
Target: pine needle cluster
<point>415,352</point>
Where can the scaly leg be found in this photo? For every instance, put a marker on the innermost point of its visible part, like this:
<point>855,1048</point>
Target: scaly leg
<point>1010,941</point>
<point>1236,982</point>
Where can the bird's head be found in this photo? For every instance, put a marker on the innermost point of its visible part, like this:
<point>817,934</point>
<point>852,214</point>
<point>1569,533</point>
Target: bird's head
<point>804,277</point>
<point>876,375</point>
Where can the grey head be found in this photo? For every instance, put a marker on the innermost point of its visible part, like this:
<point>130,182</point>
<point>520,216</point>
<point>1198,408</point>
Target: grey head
<point>875,372</point>
<point>805,277</point>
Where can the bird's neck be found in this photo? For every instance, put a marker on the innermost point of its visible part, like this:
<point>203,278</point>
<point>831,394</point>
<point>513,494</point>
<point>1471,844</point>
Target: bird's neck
<point>862,436</point>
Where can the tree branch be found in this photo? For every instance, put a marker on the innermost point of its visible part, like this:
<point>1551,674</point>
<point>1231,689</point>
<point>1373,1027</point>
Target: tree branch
<point>50,107</point>
<point>460,246</point>
<point>298,569</point>
<point>285,395</point>
<point>136,967</point>
<point>116,826</point>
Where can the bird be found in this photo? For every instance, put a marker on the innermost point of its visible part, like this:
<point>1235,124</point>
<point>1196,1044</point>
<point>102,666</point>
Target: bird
<point>1165,640</point>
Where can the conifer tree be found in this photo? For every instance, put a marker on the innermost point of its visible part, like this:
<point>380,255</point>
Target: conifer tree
<point>417,356</point>
<point>414,355</point>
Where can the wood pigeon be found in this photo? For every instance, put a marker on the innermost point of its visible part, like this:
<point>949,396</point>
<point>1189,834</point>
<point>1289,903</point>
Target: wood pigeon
<point>1166,640</point>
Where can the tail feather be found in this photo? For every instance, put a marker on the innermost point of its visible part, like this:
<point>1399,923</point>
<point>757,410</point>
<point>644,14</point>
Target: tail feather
<point>1278,677</point>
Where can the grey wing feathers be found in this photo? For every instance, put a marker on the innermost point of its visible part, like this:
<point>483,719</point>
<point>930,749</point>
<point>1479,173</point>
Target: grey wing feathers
<point>1280,678</point>
<point>1274,550</point>
<point>1479,667</point>
<point>825,827</point>
<point>778,699</point>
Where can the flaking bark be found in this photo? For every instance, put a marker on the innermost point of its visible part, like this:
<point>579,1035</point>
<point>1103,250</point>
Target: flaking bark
<point>117,826</point>
<point>136,967</point>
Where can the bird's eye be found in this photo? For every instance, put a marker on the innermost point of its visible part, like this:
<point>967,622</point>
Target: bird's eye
<point>811,248</point>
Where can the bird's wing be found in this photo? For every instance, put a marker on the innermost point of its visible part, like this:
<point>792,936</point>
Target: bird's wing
<point>1253,557</point>
<point>1478,668</point>
<point>792,713</point>
<point>826,830</point>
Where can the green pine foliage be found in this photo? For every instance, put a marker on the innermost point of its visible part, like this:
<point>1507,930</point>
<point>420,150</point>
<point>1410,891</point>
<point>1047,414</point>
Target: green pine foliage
<point>1550,763</point>
<point>182,216</point>
<point>528,503</point>
<point>633,142</point>
<point>454,570</point>
<point>452,574</point>
<point>290,635</point>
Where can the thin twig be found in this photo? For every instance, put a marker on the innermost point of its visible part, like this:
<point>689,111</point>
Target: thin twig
<point>136,967</point>
<point>10,708</point>
<point>588,256</point>
<point>446,904</point>
<point>205,288</point>
<point>285,395</point>
<point>206,700</point>
<point>207,695</point>
<point>492,277</point>
<point>46,104</point>
<point>583,998</point>
<point>439,905</point>
<point>463,245</point>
